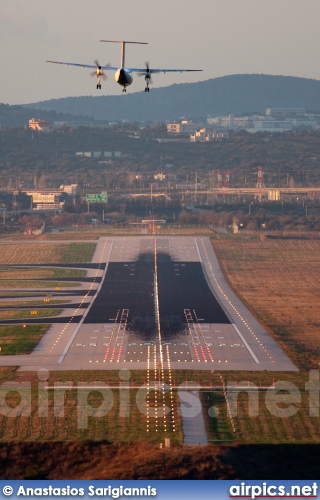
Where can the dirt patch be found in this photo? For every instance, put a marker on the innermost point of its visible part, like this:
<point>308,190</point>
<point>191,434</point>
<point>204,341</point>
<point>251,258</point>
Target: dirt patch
<point>120,461</point>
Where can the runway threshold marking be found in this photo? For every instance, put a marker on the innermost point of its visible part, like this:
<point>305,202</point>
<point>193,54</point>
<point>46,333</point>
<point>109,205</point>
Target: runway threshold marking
<point>203,338</point>
<point>197,336</point>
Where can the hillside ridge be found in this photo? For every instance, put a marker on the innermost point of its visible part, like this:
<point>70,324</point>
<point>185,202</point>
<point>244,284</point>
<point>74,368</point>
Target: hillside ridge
<point>236,94</point>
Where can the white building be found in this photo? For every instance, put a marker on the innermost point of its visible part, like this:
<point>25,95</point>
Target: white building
<point>69,189</point>
<point>185,127</point>
<point>285,112</point>
<point>42,200</point>
<point>159,177</point>
<point>270,126</point>
<point>208,135</point>
<point>99,154</point>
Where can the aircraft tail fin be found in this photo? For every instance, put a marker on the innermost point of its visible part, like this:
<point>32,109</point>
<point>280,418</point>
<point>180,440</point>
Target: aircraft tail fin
<point>123,43</point>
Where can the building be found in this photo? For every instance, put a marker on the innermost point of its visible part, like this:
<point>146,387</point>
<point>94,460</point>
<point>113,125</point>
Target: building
<point>285,112</point>
<point>69,189</point>
<point>208,135</point>
<point>185,127</point>
<point>222,121</point>
<point>99,154</point>
<point>270,126</point>
<point>40,125</point>
<point>45,200</point>
<point>159,177</point>
<point>275,120</point>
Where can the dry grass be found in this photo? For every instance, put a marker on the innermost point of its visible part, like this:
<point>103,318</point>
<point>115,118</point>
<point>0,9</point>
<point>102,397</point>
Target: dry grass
<point>28,313</point>
<point>268,427</point>
<point>279,281</point>
<point>31,303</point>
<point>122,421</point>
<point>18,273</point>
<point>30,254</point>
<point>265,427</point>
<point>42,253</point>
<point>11,284</point>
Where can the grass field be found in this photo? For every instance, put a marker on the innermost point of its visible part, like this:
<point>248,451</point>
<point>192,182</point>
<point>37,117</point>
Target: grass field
<point>126,423</point>
<point>17,339</point>
<point>261,415</point>
<point>19,295</point>
<point>15,283</point>
<point>41,253</point>
<point>279,281</point>
<point>28,313</point>
<point>31,303</point>
<point>10,273</point>
<point>123,419</point>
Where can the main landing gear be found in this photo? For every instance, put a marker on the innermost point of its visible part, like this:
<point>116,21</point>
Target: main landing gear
<point>147,79</point>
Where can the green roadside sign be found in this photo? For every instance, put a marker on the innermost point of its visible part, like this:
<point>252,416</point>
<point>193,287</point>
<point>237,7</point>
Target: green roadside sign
<point>97,198</point>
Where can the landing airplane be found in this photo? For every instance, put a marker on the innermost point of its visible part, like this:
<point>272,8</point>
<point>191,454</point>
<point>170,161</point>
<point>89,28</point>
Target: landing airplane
<point>123,75</point>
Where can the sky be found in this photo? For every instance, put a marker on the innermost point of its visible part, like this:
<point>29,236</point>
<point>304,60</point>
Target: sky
<point>222,37</point>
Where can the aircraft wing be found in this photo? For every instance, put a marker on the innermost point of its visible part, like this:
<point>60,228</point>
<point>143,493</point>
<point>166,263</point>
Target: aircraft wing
<point>159,70</point>
<point>92,66</point>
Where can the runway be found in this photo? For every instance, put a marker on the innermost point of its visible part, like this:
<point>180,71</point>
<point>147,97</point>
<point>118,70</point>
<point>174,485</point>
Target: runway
<point>158,303</point>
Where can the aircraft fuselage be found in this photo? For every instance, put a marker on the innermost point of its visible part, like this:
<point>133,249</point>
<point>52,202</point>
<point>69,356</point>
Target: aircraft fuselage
<point>123,77</point>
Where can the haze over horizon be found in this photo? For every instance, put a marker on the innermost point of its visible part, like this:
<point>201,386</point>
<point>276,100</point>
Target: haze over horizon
<point>222,38</point>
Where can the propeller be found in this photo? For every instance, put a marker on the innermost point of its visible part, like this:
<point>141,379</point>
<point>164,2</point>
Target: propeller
<point>146,73</point>
<point>99,72</point>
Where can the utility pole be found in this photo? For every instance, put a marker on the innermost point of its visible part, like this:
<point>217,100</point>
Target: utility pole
<point>196,188</point>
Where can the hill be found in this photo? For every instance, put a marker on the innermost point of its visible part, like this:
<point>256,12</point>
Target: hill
<point>19,116</point>
<point>236,94</point>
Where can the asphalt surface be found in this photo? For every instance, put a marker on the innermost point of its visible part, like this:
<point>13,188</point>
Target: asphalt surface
<point>130,285</point>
